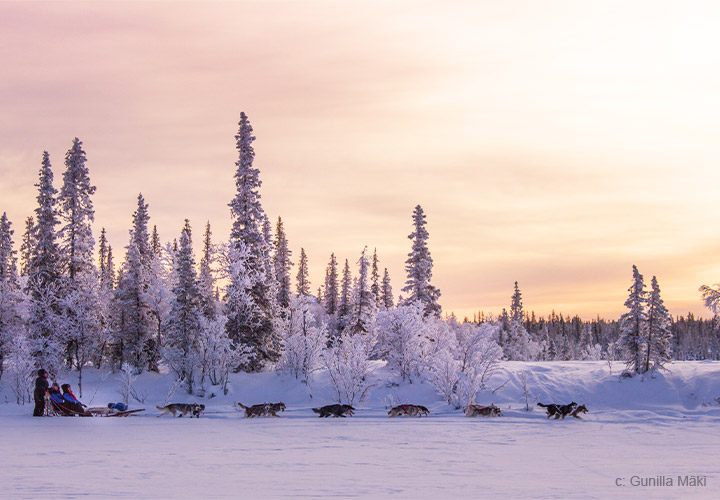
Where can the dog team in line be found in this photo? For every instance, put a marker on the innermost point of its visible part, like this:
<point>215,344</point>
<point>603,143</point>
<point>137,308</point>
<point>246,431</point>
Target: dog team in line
<point>70,405</point>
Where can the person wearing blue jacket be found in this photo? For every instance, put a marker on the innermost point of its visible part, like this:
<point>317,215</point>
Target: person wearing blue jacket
<point>70,401</point>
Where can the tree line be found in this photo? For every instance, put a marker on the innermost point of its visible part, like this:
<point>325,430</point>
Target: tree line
<point>66,304</point>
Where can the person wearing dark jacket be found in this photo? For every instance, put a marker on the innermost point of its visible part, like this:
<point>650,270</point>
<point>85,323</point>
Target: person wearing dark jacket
<point>41,388</point>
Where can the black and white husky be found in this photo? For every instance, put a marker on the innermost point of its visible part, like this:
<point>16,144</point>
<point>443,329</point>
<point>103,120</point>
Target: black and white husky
<point>194,409</point>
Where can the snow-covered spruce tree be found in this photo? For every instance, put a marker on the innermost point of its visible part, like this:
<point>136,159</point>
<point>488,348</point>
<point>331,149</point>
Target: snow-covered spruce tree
<point>375,280</point>
<point>11,299</point>
<point>419,268</point>
<point>27,246</point>
<point>402,338</point>
<point>348,366</point>
<point>303,281</point>
<point>345,300</point>
<point>282,264</point>
<point>77,212</point>
<point>133,320</point>
<point>330,294</point>
<point>304,335</point>
<point>206,278</point>
<point>516,306</point>
<point>386,298</point>
<point>181,350</point>
<point>658,330</point>
<point>161,280</point>
<point>79,291</point>
<point>633,325</point>
<point>44,275</point>
<point>106,281</point>
<point>363,310</point>
<point>250,314</point>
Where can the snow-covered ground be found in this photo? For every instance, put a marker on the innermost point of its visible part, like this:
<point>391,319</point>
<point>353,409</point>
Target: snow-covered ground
<point>650,428</point>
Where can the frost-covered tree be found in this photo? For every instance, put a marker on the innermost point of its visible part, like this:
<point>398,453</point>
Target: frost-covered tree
<point>303,280</point>
<point>250,314</point>
<point>349,368</point>
<point>363,310</point>
<point>77,213</point>
<point>633,325</point>
<point>402,338</point>
<point>419,268</point>
<point>386,293</point>
<point>134,322</point>
<point>463,362</point>
<point>375,280</point>
<point>658,330</point>
<point>44,272</point>
<point>11,299</point>
<point>106,280</point>
<point>84,307</point>
<point>218,356</point>
<point>242,308</point>
<point>27,246</point>
<point>182,346</point>
<point>516,305</point>
<point>345,300</point>
<point>330,294</point>
<point>206,278</point>
<point>21,368</point>
<point>304,336</point>
<point>282,264</point>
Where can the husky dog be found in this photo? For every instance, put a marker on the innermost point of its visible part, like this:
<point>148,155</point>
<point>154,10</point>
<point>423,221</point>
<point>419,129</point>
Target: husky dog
<point>408,411</point>
<point>263,410</point>
<point>194,409</point>
<point>482,411</point>
<point>334,410</point>
<point>578,410</point>
<point>559,411</point>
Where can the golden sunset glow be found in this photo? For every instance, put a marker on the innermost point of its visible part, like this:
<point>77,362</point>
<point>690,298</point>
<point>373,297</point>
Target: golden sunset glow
<point>553,143</point>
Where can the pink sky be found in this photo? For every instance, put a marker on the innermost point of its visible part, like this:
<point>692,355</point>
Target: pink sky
<point>553,143</point>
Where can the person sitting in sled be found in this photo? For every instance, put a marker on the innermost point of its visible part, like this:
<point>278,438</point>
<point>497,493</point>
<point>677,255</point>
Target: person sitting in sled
<point>70,401</point>
<point>55,394</point>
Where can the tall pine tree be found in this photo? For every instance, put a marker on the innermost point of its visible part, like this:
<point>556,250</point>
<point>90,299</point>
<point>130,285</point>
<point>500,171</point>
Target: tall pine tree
<point>375,280</point>
<point>386,298</point>
<point>303,281</point>
<point>183,348</point>
<point>134,321</point>
<point>282,264</point>
<point>77,212</point>
<point>633,325</point>
<point>658,329</point>
<point>419,268</point>
<point>44,274</point>
<point>330,294</point>
<point>250,305</point>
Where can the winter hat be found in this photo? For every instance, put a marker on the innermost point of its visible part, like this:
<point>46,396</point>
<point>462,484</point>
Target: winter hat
<point>42,372</point>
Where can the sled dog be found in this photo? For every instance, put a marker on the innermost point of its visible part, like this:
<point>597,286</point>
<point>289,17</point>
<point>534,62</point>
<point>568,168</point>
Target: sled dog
<point>334,410</point>
<point>580,409</point>
<point>194,409</point>
<point>262,410</point>
<point>559,411</point>
<point>408,411</point>
<point>482,411</point>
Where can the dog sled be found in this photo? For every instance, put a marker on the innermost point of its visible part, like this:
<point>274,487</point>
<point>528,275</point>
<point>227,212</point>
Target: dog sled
<point>60,409</point>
